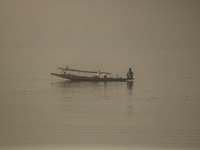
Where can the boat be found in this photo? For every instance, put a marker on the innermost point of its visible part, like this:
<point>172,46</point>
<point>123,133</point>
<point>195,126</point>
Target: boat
<point>97,76</point>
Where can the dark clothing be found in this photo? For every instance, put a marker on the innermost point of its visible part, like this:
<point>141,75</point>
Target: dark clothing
<point>130,74</point>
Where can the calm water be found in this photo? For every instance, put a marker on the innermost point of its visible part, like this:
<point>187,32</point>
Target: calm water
<point>47,114</point>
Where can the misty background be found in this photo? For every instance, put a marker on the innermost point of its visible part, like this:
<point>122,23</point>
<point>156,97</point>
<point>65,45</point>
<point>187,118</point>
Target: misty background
<point>157,38</point>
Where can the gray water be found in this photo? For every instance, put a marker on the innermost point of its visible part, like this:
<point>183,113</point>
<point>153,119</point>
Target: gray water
<point>55,114</point>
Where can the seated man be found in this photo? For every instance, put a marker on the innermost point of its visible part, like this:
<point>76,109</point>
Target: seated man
<point>104,76</point>
<point>97,75</point>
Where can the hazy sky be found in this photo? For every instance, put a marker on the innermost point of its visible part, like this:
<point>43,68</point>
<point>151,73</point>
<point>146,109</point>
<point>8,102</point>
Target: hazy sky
<point>158,38</point>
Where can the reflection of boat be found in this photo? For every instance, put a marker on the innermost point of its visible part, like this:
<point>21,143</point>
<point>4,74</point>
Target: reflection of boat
<point>99,76</point>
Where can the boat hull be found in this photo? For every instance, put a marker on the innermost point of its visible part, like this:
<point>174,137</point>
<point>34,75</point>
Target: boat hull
<point>94,79</point>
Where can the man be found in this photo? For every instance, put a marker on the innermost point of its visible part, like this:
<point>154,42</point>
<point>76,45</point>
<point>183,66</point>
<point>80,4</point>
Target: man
<point>130,74</point>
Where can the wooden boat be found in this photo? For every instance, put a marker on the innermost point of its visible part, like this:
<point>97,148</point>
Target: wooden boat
<point>66,73</point>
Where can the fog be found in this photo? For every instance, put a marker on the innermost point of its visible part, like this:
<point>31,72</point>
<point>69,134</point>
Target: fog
<point>157,38</point>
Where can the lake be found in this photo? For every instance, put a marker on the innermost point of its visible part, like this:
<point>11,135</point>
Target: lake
<point>58,114</point>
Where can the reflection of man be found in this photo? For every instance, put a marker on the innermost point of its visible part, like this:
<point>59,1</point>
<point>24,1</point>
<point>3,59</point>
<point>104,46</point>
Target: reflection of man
<point>130,84</point>
<point>130,74</point>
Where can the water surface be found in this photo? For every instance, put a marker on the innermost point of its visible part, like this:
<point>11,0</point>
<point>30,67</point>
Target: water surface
<point>51,114</point>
